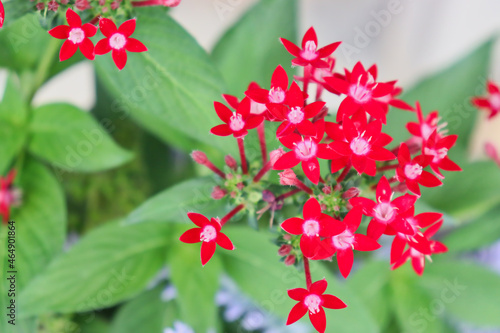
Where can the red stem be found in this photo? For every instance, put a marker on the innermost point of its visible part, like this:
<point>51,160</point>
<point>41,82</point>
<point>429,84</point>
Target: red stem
<point>303,187</point>
<point>265,169</point>
<point>307,271</point>
<point>288,194</point>
<point>147,3</point>
<point>231,214</point>
<point>388,167</point>
<point>262,140</point>
<point>215,169</point>
<point>344,173</point>
<point>243,158</point>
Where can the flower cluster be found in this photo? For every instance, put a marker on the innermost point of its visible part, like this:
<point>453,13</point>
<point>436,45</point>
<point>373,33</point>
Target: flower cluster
<point>349,168</point>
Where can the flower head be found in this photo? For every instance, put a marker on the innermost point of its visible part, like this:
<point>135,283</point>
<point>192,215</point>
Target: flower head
<point>423,129</point>
<point>2,14</point>
<point>76,35</point>
<point>118,41</point>
<point>9,196</point>
<point>438,147</point>
<point>276,94</point>
<point>490,103</point>
<point>208,233</point>
<point>236,123</point>
<point>313,300</point>
<point>314,225</point>
<point>309,54</point>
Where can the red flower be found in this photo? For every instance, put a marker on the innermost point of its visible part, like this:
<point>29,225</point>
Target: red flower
<point>363,92</point>
<point>305,150</point>
<point>236,123</point>
<point>297,116</point>
<point>425,126</point>
<point>2,14</point>
<point>309,54</point>
<point>313,226</point>
<point>344,243</point>
<point>76,35</point>
<point>490,103</point>
<point>118,41</point>
<point>9,196</point>
<point>417,257</point>
<point>384,211</point>
<point>411,171</point>
<point>438,149</point>
<point>275,95</point>
<point>391,100</point>
<point>313,300</point>
<point>208,234</point>
<point>363,146</point>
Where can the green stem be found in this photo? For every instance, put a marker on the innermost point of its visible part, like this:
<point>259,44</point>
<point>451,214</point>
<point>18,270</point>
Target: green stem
<point>44,66</point>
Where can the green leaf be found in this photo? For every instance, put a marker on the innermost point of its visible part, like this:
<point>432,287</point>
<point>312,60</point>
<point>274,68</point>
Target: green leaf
<point>13,111</point>
<point>250,50</point>
<point>448,91</point>
<point>467,291</point>
<point>72,140</point>
<point>15,10</point>
<point>170,89</point>
<point>113,262</point>
<point>174,203</point>
<point>254,265</point>
<point>145,313</point>
<point>196,286</point>
<point>476,234</point>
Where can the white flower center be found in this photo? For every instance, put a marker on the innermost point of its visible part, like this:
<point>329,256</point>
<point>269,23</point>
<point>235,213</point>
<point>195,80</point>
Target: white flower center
<point>360,94</point>
<point>495,101</point>
<point>305,150</point>
<point>344,240</point>
<point>236,122</point>
<point>384,212</point>
<point>276,95</point>
<point>438,154</point>
<point>360,146</point>
<point>208,234</point>
<point>311,228</point>
<point>426,131</point>
<point>117,41</point>
<point>309,52</point>
<point>257,108</point>
<point>76,35</point>
<point>313,303</point>
<point>413,171</point>
<point>296,115</point>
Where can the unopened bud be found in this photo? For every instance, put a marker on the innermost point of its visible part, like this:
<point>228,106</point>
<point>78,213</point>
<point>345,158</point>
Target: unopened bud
<point>199,157</point>
<point>240,186</point>
<point>288,177</point>
<point>287,237</point>
<point>290,260</point>
<point>327,189</point>
<point>284,250</point>
<point>323,207</point>
<point>351,193</point>
<point>231,162</point>
<point>218,193</point>
<point>337,188</point>
<point>401,188</point>
<point>275,155</point>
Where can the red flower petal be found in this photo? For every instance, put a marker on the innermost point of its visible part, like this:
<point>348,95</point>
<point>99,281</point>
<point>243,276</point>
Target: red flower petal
<point>87,48</point>
<point>306,128</point>
<point>107,27</point>
<point>358,162</point>
<point>207,251</point>
<point>365,243</point>
<point>309,245</point>
<point>312,209</point>
<point>353,218</point>
<point>310,35</point>
<point>397,249</point>
<point>60,32</point>
<point>258,95</point>
<point>287,161</point>
<point>318,287</point>
<point>120,58</point>
<point>338,84</point>
<point>297,312</point>
<point>102,47</point>
<point>341,147</point>
<point>330,226</point>
<point>191,236</point>
<point>224,241</point>
<point>427,179</point>
<point>325,51</point>
<point>318,320</point>
<point>298,294</point>
<point>128,27</point>
<point>73,19</point>
<point>381,154</point>
<point>311,170</point>
<point>279,78</point>
<point>221,130</point>
<point>449,165</point>
<point>290,47</point>
<point>295,97</point>
<point>223,112</point>
<point>293,225</point>
<point>418,264</point>
<point>134,45</point>
<point>333,302</point>
<point>68,49</point>
<point>345,258</point>
<point>198,219</point>
<point>375,229</point>
<point>89,29</point>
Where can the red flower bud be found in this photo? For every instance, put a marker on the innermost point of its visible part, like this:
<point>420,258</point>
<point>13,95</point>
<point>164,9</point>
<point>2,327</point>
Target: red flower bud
<point>288,177</point>
<point>231,162</point>
<point>290,260</point>
<point>351,193</point>
<point>218,193</point>
<point>199,157</point>
<point>284,250</point>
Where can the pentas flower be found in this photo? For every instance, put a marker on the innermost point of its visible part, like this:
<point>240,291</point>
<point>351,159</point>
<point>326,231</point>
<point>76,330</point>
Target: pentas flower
<point>416,240</point>
<point>385,211</point>
<point>306,151</point>
<point>297,115</point>
<point>2,14</point>
<point>363,92</point>
<point>438,149</point>
<point>343,244</point>
<point>9,196</point>
<point>314,225</point>
<point>363,146</point>
<point>417,257</point>
<point>76,35</point>
<point>411,171</point>
<point>236,123</point>
<point>425,126</point>
<point>276,94</point>
<point>255,107</point>
<point>309,54</point>
<point>313,300</point>
<point>208,233</point>
<point>490,103</point>
<point>391,100</point>
<point>118,41</point>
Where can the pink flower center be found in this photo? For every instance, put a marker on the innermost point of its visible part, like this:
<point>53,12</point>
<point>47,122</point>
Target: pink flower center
<point>306,150</point>
<point>438,154</point>
<point>360,146</point>
<point>208,234</point>
<point>6,197</point>
<point>117,41</point>
<point>313,303</point>
<point>426,131</point>
<point>236,122</point>
<point>257,108</point>
<point>384,212</point>
<point>360,94</point>
<point>276,95</point>
<point>76,35</point>
<point>344,240</point>
<point>311,228</point>
<point>309,52</point>
<point>413,171</point>
<point>495,101</point>
<point>296,115</point>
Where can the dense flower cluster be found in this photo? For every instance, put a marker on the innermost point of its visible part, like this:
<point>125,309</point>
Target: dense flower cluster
<point>350,169</point>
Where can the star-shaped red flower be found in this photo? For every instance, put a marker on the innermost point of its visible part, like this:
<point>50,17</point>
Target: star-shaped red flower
<point>490,103</point>
<point>313,300</point>
<point>385,212</point>
<point>344,243</point>
<point>236,123</point>
<point>314,225</point>
<point>118,41</point>
<point>76,35</point>
<point>276,94</point>
<point>2,14</point>
<point>208,233</point>
<point>309,54</point>
<point>437,147</point>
